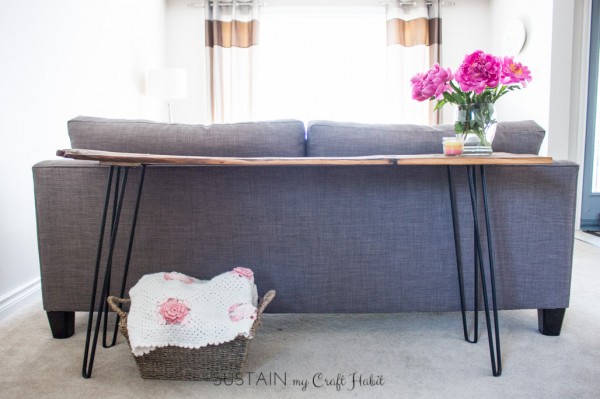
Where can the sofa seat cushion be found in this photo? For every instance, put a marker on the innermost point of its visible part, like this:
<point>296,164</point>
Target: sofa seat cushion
<point>281,138</point>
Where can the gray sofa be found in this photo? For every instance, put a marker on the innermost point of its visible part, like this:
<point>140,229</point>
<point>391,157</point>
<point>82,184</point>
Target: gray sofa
<point>328,239</point>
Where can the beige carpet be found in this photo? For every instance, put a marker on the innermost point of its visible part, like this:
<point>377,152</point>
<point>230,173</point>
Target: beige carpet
<point>417,355</point>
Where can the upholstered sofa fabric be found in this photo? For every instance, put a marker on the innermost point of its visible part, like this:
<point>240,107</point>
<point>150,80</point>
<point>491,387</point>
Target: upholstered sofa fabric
<point>282,138</point>
<point>328,239</point>
<point>356,139</point>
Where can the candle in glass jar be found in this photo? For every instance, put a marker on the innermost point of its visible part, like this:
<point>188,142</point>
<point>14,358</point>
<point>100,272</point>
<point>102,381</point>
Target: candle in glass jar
<point>452,146</point>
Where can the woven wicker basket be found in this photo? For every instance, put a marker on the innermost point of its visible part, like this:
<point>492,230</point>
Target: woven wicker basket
<point>207,363</point>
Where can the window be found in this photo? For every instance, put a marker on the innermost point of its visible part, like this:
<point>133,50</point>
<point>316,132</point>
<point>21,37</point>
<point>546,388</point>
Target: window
<point>322,63</point>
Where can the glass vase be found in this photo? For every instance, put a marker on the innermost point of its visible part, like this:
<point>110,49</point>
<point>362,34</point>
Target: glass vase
<point>475,124</point>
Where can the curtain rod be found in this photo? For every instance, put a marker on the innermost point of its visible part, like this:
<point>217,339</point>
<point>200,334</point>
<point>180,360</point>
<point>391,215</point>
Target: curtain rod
<point>200,4</point>
<point>413,3</point>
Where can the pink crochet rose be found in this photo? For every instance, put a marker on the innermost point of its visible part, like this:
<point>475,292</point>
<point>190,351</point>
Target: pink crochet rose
<point>431,84</point>
<point>244,272</point>
<point>173,311</point>
<point>178,276</point>
<point>239,311</point>
<point>478,72</point>
<point>514,72</point>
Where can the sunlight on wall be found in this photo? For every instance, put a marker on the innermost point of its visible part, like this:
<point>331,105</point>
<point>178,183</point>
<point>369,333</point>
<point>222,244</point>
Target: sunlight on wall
<point>63,59</point>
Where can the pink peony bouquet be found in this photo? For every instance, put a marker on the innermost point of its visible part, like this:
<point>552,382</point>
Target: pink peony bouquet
<point>481,78</point>
<point>476,85</point>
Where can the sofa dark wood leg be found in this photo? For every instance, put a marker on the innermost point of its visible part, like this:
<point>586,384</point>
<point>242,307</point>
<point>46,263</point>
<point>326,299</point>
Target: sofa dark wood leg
<point>62,324</point>
<point>550,321</point>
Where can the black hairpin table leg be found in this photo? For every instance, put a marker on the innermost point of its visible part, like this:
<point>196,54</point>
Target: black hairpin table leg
<point>127,261</point>
<point>459,267</point>
<point>494,344</point>
<point>120,183</point>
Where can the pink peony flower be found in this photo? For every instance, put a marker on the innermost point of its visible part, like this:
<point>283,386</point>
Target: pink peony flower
<point>431,84</point>
<point>244,272</point>
<point>173,311</point>
<point>478,72</point>
<point>239,311</point>
<point>178,276</point>
<point>514,72</point>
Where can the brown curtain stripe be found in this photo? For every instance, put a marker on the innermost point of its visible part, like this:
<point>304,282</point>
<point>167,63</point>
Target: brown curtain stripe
<point>231,34</point>
<point>421,31</point>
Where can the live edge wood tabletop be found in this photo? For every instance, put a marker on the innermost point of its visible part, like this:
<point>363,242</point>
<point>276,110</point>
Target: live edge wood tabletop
<point>132,159</point>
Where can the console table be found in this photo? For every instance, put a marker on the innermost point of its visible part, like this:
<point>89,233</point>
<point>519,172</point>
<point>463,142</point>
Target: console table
<point>120,163</point>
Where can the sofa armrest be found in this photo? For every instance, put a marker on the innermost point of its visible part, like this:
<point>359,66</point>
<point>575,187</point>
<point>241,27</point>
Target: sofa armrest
<point>65,163</point>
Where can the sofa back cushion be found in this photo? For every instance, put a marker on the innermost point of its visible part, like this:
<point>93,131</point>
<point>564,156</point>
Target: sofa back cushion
<point>523,137</point>
<point>281,138</point>
<point>342,139</point>
<point>326,138</point>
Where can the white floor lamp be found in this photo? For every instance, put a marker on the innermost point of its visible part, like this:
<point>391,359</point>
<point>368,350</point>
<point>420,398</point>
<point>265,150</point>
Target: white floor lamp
<point>167,84</point>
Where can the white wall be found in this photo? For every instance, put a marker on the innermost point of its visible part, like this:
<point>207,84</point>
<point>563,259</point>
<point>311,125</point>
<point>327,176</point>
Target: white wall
<point>459,24</point>
<point>60,59</point>
<point>549,52</point>
<point>532,102</point>
<point>559,139</point>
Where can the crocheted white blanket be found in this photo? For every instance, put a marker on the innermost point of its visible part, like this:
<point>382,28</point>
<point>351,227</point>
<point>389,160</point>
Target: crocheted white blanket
<point>178,310</point>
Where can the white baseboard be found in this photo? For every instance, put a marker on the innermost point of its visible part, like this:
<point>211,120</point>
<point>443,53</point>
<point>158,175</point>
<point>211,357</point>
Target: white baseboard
<point>586,237</point>
<point>19,298</point>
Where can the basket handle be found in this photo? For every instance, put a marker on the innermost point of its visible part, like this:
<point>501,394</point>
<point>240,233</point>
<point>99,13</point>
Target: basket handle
<point>112,302</point>
<point>266,300</point>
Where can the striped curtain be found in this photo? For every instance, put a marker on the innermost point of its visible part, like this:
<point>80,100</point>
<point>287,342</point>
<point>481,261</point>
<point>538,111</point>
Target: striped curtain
<point>231,29</point>
<point>413,45</point>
